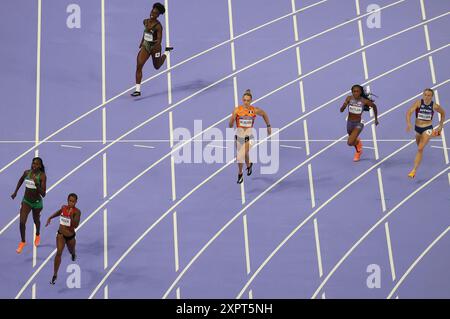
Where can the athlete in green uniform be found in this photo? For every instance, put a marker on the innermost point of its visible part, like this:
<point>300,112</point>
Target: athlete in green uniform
<point>151,45</point>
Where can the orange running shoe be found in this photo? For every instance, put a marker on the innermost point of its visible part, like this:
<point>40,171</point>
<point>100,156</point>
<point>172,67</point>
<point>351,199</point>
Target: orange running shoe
<point>20,248</point>
<point>357,157</point>
<point>37,240</point>
<point>359,146</point>
<point>412,174</point>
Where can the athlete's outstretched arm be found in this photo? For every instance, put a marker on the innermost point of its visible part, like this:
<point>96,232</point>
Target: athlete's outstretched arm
<point>441,111</point>
<point>410,111</point>
<point>19,183</point>
<point>262,113</point>
<point>347,100</point>
<point>53,216</point>
<point>232,119</point>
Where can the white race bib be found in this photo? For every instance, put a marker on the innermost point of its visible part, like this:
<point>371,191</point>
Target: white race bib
<point>424,117</point>
<point>355,109</point>
<point>65,221</point>
<point>245,123</point>
<point>148,37</point>
<point>29,183</point>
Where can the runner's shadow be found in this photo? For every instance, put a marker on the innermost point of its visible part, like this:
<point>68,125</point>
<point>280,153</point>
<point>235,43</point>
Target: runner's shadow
<point>185,87</point>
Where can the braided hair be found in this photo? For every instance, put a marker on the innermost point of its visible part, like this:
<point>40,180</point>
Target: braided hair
<point>364,94</point>
<point>160,7</point>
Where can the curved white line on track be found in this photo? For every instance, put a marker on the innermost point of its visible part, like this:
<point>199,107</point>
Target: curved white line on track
<point>380,221</point>
<point>414,264</point>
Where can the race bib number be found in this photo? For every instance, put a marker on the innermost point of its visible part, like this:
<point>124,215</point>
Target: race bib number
<point>424,117</point>
<point>245,123</point>
<point>148,37</point>
<point>355,109</point>
<point>65,221</point>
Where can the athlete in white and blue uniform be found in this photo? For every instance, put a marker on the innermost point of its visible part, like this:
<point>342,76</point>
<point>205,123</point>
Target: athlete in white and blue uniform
<point>424,110</point>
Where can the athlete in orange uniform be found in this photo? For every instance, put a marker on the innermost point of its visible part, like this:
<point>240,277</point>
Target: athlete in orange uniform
<point>424,110</point>
<point>244,117</point>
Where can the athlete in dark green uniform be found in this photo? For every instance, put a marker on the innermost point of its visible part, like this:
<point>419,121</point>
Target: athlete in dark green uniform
<point>35,189</point>
<point>151,45</point>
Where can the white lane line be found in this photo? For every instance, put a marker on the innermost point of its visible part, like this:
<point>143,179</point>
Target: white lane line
<point>418,259</point>
<point>422,9</point>
<point>33,291</point>
<point>38,78</point>
<point>105,176</point>
<point>206,141</point>
<point>103,51</point>
<point>440,147</point>
<point>178,293</point>
<point>314,213</point>
<point>380,221</point>
<point>70,146</point>
<point>375,142</point>
<point>290,146</point>
<point>369,147</point>
<point>323,296</point>
<point>250,294</point>
<point>143,146</point>
<point>311,186</point>
<point>381,188</point>
<point>105,238</point>
<point>391,255</point>
<point>319,256</point>
<point>106,292</point>
<point>175,242</point>
<point>246,242</point>
<point>443,138</point>
<point>157,75</point>
<point>305,130</point>
<point>215,146</point>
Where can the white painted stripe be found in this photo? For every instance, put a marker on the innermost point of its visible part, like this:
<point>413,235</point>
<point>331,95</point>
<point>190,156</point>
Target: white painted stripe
<point>396,297</point>
<point>38,75</point>
<point>235,92</point>
<point>391,255</point>
<point>368,147</point>
<point>311,186</point>
<point>323,296</point>
<point>247,249</point>
<point>103,52</point>
<point>422,7</point>
<point>104,126</point>
<point>106,292</point>
<point>381,188</point>
<point>289,146</point>
<point>414,264</point>
<point>175,241</point>
<point>348,253</point>
<point>449,178</point>
<point>105,238</point>
<point>302,97</point>
<point>427,37</point>
<point>250,294</point>
<point>71,146</point>
<point>170,129</point>
<point>243,193</point>
<point>366,70</point>
<point>215,146</point>
<point>205,140</point>
<point>319,256</point>
<point>361,37</point>
<point>143,146</point>
<point>178,293</point>
<point>172,169</point>
<point>375,142</point>
<point>185,61</point>
<point>34,247</point>
<point>358,10</point>
<point>305,129</point>
<point>169,82</point>
<point>440,147</point>
<point>33,291</point>
<point>9,224</point>
<point>105,177</point>
<point>433,73</point>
